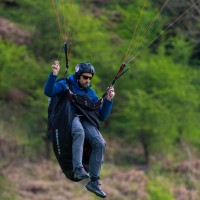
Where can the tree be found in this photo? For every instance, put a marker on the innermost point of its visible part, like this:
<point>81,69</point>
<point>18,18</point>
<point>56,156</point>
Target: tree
<point>154,103</point>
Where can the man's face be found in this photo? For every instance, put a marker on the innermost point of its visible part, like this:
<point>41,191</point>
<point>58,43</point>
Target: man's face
<point>85,79</point>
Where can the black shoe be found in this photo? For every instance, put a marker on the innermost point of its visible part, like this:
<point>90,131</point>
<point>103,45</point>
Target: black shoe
<point>93,186</point>
<point>80,173</point>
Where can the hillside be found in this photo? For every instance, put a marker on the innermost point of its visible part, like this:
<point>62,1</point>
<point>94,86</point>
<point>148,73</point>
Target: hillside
<point>152,134</point>
<point>43,180</point>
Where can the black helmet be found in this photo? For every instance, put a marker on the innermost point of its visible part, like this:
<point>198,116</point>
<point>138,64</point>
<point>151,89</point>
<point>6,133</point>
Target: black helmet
<point>83,67</point>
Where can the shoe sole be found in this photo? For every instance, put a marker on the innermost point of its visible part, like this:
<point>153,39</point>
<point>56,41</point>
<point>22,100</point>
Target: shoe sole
<point>99,195</point>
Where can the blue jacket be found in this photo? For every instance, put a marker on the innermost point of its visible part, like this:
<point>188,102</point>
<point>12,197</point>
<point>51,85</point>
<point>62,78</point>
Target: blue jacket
<point>53,88</point>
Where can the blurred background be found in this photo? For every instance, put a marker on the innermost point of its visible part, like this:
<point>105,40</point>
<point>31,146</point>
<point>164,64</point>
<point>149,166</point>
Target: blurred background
<point>152,134</point>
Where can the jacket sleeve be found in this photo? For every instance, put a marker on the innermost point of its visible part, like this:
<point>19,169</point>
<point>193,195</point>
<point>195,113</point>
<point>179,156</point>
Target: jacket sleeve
<point>105,110</point>
<point>52,87</point>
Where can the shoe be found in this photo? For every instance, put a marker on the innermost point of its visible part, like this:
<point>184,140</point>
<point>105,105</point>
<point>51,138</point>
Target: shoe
<point>94,186</point>
<point>80,173</point>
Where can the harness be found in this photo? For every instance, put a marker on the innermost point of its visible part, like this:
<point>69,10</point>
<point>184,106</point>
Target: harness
<point>85,106</point>
<point>60,116</point>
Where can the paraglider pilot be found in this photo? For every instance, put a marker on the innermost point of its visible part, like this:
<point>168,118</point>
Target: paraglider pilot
<point>84,125</point>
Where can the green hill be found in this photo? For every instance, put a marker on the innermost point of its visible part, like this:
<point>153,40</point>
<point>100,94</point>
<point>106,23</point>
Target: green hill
<point>153,131</point>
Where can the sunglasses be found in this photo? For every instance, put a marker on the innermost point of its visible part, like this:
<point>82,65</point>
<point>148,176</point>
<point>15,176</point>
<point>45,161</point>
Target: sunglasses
<point>86,77</point>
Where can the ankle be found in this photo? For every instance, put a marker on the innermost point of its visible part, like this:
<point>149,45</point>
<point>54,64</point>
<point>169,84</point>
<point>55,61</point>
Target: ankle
<point>93,179</point>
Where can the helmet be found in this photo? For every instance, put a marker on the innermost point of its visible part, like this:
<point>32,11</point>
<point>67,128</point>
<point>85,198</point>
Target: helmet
<point>83,67</point>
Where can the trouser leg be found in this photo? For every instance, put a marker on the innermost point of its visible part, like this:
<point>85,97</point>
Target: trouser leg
<point>98,144</point>
<point>78,137</point>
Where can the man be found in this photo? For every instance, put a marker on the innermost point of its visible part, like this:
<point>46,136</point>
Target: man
<point>83,127</point>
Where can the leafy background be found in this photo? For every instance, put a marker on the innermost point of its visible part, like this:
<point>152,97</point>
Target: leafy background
<point>152,133</point>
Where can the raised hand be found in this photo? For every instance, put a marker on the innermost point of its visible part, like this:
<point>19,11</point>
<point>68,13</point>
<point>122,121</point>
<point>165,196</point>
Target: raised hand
<point>110,93</point>
<point>55,68</point>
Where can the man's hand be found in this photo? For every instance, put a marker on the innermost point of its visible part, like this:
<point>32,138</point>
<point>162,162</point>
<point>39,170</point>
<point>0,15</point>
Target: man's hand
<point>55,68</point>
<point>110,93</point>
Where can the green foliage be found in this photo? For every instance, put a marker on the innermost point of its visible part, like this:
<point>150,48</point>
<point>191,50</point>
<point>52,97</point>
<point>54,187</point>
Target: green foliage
<point>159,189</point>
<point>179,49</point>
<point>38,17</point>
<point>19,68</point>
<point>157,101</point>
<point>154,104</point>
<point>21,71</point>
